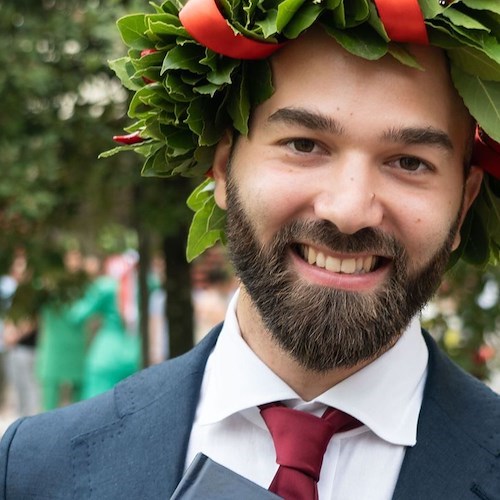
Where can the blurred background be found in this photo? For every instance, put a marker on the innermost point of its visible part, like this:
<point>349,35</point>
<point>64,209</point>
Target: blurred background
<point>94,281</point>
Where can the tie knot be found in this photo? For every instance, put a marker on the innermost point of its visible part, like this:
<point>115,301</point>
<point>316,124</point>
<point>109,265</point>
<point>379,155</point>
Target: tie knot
<point>300,438</point>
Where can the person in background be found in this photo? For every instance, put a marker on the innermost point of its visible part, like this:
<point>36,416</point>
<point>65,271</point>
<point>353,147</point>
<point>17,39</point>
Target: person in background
<point>114,351</point>
<point>62,342</point>
<point>159,348</point>
<point>8,285</point>
<point>20,336</point>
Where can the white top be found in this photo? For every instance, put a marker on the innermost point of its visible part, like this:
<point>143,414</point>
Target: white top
<point>362,463</point>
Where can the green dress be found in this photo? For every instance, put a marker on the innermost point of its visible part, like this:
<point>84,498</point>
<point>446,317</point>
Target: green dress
<point>114,353</point>
<point>60,355</point>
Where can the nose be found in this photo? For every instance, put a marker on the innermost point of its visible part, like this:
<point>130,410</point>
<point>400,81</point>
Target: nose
<point>350,199</point>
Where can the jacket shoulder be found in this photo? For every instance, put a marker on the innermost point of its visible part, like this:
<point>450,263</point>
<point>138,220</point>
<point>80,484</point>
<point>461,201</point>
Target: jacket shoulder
<point>466,401</point>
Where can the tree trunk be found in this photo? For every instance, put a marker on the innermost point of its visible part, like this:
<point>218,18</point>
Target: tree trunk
<point>143,289</point>
<point>179,305</point>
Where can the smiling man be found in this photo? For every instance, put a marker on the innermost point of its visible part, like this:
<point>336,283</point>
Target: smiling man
<point>346,189</point>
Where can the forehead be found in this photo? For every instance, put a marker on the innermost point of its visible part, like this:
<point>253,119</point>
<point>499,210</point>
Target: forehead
<point>315,72</point>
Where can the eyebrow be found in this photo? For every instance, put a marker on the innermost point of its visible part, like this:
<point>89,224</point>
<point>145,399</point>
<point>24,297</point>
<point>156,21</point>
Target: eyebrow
<point>315,120</point>
<point>309,119</point>
<point>419,136</point>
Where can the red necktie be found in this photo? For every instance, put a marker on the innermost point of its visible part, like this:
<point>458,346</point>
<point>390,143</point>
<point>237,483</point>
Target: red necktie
<point>300,440</point>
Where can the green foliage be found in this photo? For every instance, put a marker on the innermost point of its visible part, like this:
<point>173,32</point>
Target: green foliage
<point>206,230</point>
<point>58,103</point>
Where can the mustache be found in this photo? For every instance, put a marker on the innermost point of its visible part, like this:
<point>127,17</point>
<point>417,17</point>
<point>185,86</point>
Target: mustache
<point>325,233</point>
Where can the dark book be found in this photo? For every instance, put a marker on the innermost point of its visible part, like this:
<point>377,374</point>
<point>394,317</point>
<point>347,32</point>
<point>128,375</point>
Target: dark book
<point>208,480</point>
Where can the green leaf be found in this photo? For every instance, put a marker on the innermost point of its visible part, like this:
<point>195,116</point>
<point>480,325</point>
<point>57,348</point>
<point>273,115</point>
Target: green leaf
<point>464,36</point>
<point>375,22</point>
<point>362,41</point>
<point>177,89</point>
<point>124,70</point>
<point>402,55</point>
<point>333,4</point>
<point>356,11</point>
<point>268,25</point>
<point>286,10</point>
<point>474,62</point>
<point>208,89</point>
<point>184,57</point>
<point>440,37</point>
<point>430,8</point>
<point>262,83</point>
<point>180,140</point>
<point>201,121</point>
<point>338,17</point>
<point>238,105</point>
<point>491,5</point>
<point>302,20</point>
<point>200,195</point>
<point>222,73</point>
<point>482,98</point>
<point>132,30</point>
<point>144,95</point>
<point>165,24</point>
<point>460,19</point>
<point>207,226</point>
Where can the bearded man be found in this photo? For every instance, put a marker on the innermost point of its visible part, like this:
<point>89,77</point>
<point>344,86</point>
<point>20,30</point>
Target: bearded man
<point>345,200</point>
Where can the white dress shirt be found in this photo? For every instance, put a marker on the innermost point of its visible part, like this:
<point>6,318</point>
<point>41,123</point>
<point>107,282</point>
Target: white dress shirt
<point>360,464</point>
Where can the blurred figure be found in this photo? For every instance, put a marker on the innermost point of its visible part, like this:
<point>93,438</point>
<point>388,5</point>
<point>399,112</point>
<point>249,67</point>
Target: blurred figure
<point>19,336</point>
<point>159,349</point>
<point>114,352</point>
<point>20,340</point>
<point>62,344</point>
<point>210,303</point>
<point>8,285</point>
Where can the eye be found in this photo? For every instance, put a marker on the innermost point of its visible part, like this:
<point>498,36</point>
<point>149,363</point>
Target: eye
<point>303,145</point>
<point>410,164</point>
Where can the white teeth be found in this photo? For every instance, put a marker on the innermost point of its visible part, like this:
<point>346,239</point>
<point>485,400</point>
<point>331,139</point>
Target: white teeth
<point>368,263</point>
<point>358,265</point>
<point>348,266</point>
<point>320,260</point>
<point>333,264</point>
<point>311,256</point>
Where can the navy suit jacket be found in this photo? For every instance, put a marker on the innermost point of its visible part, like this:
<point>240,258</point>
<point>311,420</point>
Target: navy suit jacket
<point>131,442</point>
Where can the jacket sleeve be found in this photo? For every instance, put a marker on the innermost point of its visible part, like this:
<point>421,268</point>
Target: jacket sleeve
<point>5,445</point>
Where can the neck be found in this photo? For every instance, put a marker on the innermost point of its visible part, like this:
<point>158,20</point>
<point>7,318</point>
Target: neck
<point>306,383</point>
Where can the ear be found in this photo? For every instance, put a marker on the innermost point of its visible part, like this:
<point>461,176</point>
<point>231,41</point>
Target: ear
<point>472,187</point>
<point>219,167</point>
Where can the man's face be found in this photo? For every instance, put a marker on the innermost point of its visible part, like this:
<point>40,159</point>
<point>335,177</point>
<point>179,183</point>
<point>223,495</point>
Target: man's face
<point>345,199</point>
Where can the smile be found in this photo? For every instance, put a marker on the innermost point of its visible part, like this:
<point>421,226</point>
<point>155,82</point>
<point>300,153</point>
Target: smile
<point>345,265</point>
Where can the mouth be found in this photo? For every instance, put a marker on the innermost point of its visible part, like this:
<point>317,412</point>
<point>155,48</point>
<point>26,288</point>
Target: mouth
<point>361,264</point>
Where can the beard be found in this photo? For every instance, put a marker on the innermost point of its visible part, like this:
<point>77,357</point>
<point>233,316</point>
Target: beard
<point>324,328</point>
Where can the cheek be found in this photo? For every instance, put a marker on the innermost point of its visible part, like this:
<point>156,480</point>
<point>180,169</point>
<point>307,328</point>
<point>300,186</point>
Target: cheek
<point>425,228</point>
<point>270,203</point>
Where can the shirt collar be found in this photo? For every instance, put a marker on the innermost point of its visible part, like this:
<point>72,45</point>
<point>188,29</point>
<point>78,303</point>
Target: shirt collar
<point>386,395</point>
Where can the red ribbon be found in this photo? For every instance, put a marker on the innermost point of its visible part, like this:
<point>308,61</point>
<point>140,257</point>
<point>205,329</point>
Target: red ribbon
<point>205,23</point>
<point>486,153</point>
<point>403,20</point>
<point>203,20</point>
